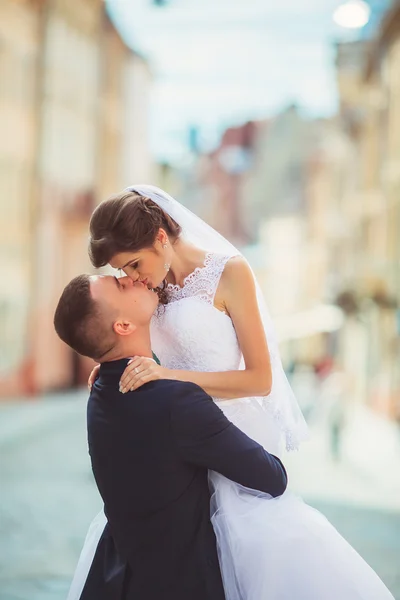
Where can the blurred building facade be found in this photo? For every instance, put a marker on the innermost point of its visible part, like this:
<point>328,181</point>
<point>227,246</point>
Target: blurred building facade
<point>364,173</point>
<point>223,174</point>
<point>380,219</point>
<point>70,143</point>
<point>275,202</point>
<point>322,201</point>
<point>353,216</point>
<point>19,51</point>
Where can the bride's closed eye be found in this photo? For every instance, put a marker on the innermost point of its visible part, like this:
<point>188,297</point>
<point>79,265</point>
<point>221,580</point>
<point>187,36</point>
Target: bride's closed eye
<point>133,265</point>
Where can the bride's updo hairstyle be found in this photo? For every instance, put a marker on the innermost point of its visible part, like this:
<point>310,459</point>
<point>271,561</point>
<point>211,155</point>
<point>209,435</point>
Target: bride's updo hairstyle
<point>127,222</point>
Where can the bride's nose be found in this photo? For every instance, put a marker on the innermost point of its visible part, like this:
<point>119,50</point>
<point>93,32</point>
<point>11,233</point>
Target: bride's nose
<point>127,280</point>
<point>134,277</point>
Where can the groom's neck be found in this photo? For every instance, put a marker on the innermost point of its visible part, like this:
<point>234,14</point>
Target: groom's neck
<point>127,348</point>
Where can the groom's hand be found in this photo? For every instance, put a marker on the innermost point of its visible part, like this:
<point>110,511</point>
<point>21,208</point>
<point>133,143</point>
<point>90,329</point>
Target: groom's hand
<point>141,370</point>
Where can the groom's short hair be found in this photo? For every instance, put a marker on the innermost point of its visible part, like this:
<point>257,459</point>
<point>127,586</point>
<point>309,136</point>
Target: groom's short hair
<point>79,321</point>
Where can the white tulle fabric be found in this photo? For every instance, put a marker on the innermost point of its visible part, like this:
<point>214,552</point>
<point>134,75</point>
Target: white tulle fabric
<point>281,402</point>
<point>269,548</point>
<point>282,549</point>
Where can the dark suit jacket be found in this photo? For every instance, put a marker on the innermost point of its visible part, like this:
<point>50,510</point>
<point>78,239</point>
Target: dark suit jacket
<point>151,450</point>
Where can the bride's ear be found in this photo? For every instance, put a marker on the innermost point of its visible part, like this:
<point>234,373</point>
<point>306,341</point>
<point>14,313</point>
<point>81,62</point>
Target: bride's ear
<point>162,236</point>
<point>124,327</point>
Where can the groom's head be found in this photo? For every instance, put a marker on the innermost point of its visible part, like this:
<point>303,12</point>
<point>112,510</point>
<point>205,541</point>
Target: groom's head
<point>97,314</point>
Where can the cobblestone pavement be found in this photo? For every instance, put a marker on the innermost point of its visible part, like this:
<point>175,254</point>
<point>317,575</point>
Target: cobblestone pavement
<point>48,499</point>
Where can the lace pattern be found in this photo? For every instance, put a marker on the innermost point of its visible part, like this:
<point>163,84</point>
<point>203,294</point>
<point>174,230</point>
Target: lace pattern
<point>202,282</point>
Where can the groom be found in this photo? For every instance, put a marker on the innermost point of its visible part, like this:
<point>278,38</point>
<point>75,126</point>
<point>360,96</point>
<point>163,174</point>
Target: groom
<point>150,451</point>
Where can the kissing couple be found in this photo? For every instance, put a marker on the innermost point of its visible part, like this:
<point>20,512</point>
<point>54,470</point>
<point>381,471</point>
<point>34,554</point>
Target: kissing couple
<point>185,453</point>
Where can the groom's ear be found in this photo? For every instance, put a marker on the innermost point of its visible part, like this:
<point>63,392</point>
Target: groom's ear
<point>124,327</point>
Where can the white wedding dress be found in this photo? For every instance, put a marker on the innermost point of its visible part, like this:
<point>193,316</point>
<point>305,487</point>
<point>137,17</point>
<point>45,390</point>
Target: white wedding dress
<point>269,548</point>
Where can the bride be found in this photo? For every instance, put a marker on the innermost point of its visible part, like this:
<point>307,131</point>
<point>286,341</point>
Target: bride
<point>212,328</point>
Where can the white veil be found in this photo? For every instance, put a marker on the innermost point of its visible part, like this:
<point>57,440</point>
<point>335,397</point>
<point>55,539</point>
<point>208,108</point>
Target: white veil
<point>281,401</point>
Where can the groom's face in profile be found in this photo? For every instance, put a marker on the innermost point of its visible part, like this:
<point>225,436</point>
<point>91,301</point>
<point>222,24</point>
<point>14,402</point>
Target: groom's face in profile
<point>123,298</point>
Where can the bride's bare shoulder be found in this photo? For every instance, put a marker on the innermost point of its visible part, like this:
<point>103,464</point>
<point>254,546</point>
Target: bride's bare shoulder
<point>237,281</point>
<point>237,271</point>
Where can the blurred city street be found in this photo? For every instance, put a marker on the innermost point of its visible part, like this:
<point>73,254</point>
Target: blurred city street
<point>49,497</point>
<point>278,124</point>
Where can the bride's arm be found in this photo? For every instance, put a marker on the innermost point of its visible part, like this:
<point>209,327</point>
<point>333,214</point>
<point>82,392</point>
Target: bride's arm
<point>237,295</point>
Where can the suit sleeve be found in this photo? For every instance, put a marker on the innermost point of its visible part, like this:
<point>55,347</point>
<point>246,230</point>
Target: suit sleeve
<point>206,438</point>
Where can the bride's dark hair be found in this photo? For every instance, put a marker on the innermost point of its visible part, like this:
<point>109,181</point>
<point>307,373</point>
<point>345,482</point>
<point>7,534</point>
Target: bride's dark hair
<point>127,222</point>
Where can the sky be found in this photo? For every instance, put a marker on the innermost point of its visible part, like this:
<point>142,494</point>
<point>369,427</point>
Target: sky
<point>218,63</point>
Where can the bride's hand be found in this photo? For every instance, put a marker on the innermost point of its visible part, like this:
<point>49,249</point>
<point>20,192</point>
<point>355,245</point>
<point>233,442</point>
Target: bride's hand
<point>93,376</point>
<point>140,370</point>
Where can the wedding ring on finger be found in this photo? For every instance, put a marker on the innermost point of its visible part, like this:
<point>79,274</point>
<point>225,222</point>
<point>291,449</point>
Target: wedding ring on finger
<point>136,370</point>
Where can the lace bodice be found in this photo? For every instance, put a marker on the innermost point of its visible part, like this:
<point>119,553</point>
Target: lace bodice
<point>203,282</point>
<point>189,332</point>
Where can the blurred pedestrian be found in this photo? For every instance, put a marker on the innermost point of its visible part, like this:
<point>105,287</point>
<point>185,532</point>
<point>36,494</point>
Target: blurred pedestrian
<point>333,405</point>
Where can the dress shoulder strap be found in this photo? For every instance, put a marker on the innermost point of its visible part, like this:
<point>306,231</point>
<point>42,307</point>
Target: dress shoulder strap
<point>213,268</point>
<point>203,282</point>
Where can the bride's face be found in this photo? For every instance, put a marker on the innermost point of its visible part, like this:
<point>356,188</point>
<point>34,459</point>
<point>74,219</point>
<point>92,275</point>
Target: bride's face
<point>148,266</point>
